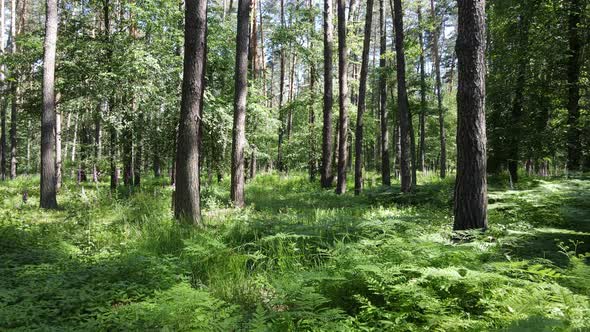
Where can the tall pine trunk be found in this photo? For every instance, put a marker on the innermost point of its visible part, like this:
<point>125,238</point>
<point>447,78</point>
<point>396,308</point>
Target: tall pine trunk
<point>240,99</point>
<point>423,106</point>
<point>187,201</point>
<point>438,88</point>
<point>471,185</point>
<point>280,165</point>
<point>342,98</point>
<point>358,145</point>
<point>326,177</point>
<point>48,198</point>
<point>402,101</point>
<point>385,159</point>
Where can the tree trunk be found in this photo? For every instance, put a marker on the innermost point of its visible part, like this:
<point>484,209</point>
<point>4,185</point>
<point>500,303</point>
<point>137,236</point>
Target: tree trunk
<point>514,136</point>
<point>438,87</point>
<point>471,185</point>
<point>241,94</point>
<point>326,177</point>
<point>358,146</point>
<point>342,98</point>
<point>48,198</point>
<point>4,102</point>
<point>573,80</point>
<point>280,165</point>
<point>187,202</point>
<point>58,152</point>
<point>385,163</point>
<point>402,100</point>
<point>423,106</point>
<point>313,165</point>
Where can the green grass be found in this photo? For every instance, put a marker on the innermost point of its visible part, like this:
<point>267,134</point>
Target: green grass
<point>297,258</point>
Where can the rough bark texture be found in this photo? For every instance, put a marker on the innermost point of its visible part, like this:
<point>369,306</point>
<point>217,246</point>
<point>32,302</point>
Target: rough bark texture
<point>342,98</point>
<point>358,146</point>
<point>383,112</point>
<point>326,177</point>
<point>471,185</point>
<point>438,88</point>
<point>402,100</point>
<point>48,198</point>
<point>313,162</point>
<point>241,94</point>
<point>187,203</point>
<point>573,80</point>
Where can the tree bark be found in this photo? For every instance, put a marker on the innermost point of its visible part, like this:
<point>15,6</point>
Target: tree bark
<point>402,100</point>
<point>58,151</point>
<point>342,98</point>
<point>438,87</point>
<point>326,177</point>
<point>423,106</point>
<point>385,162</point>
<point>187,202</point>
<point>280,165</point>
<point>573,80</point>
<point>470,206</point>
<point>15,90</point>
<point>240,100</point>
<point>312,165</point>
<point>358,146</point>
<point>48,198</point>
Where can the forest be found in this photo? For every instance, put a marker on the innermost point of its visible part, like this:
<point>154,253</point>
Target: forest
<point>295,165</point>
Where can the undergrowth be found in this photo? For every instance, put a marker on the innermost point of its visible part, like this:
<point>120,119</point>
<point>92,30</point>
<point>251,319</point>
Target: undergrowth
<point>296,259</point>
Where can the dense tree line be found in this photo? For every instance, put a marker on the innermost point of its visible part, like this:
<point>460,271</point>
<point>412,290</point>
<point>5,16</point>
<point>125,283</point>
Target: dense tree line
<point>508,79</point>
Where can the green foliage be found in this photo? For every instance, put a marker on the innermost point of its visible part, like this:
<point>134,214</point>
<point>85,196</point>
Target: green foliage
<point>297,259</point>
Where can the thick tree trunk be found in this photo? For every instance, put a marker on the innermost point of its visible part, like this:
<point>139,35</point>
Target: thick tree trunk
<point>326,177</point>
<point>385,162</point>
<point>187,202</point>
<point>342,98</point>
<point>313,164</point>
<point>438,87</point>
<point>402,100</point>
<point>423,106</point>
<point>471,185</point>
<point>240,99</point>
<point>358,146</point>
<point>48,198</point>
<point>573,80</point>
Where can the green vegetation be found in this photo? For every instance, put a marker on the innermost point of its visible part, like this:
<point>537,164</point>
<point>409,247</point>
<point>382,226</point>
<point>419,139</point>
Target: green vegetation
<point>295,259</point>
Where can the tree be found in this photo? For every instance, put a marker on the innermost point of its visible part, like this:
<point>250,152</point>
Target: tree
<point>14,87</point>
<point>4,99</point>
<point>342,98</point>
<point>573,83</point>
<point>187,203</point>
<point>280,162</point>
<point>438,88</point>
<point>358,146</point>
<point>48,177</point>
<point>327,143</point>
<point>385,164</point>
<point>241,94</point>
<point>423,106</point>
<point>470,206</point>
<point>402,100</point>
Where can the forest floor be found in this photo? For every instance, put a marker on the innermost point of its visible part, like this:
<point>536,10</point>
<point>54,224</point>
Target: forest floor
<point>296,259</point>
